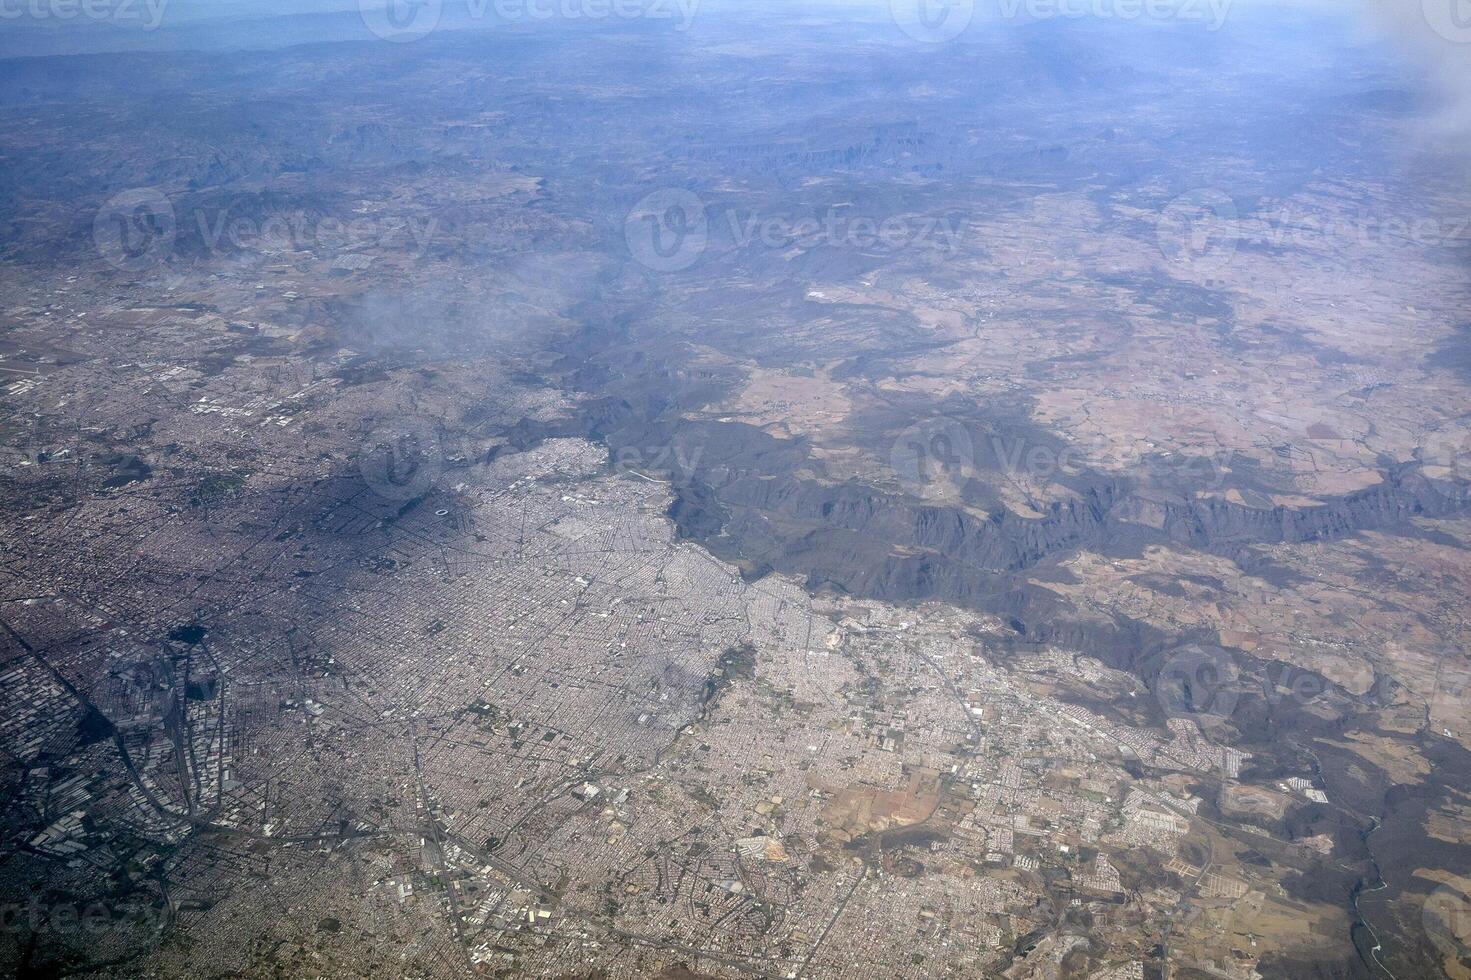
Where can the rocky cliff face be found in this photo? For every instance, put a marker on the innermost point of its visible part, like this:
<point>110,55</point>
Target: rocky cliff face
<point>897,548</point>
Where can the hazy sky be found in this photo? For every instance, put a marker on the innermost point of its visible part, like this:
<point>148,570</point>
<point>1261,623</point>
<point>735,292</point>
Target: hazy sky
<point>1428,31</point>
